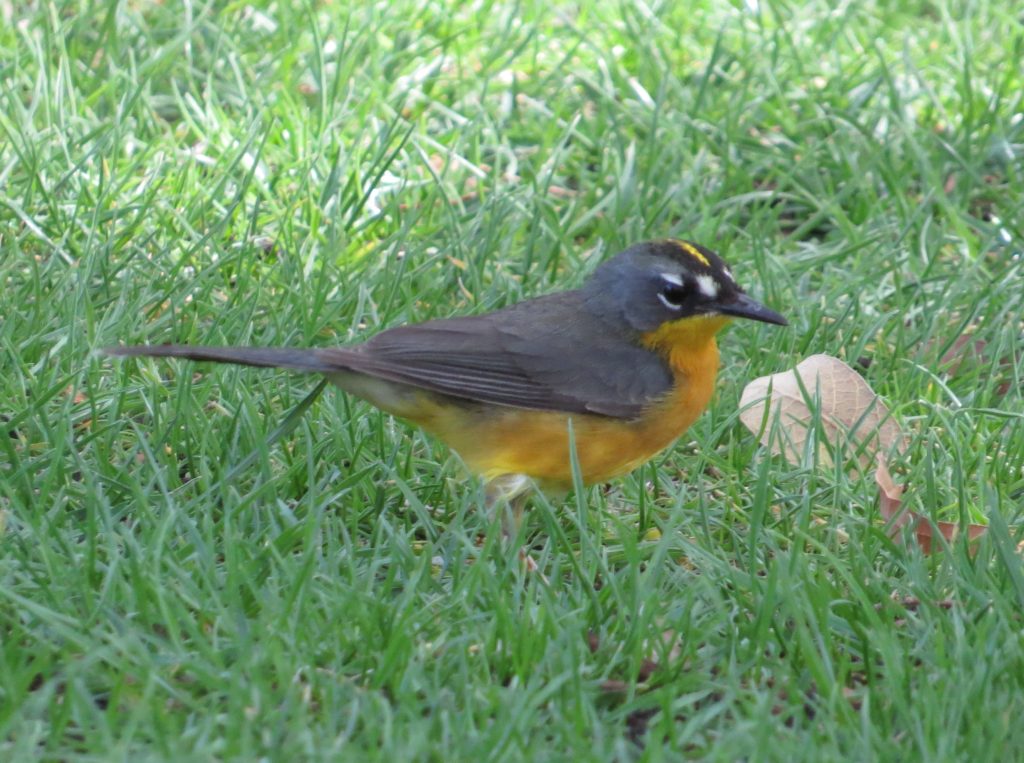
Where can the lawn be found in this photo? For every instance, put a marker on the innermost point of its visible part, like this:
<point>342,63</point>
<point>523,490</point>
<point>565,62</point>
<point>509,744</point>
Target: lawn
<point>211,563</point>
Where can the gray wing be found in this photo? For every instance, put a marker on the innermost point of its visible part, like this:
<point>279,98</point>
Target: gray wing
<point>546,354</point>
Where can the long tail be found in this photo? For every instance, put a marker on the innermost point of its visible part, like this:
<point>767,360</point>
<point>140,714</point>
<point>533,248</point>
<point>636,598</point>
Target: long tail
<point>315,361</point>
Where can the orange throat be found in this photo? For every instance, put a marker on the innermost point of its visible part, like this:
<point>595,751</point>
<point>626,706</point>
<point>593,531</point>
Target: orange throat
<point>689,346</point>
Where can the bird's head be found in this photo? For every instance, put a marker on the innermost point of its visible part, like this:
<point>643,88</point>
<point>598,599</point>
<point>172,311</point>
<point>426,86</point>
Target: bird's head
<point>667,288</point>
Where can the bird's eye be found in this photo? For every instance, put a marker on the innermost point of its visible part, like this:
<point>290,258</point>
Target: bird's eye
<point>672,295</point>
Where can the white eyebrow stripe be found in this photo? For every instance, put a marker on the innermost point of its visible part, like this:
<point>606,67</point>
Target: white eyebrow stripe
<point>672,278</point>
<point>728,274</point>
<point>707,286</point>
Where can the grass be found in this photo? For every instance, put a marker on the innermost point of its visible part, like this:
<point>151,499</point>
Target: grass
<point>311,173</point>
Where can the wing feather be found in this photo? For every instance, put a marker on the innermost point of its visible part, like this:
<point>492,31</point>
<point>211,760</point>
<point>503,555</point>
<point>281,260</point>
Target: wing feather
<point>546,354</point>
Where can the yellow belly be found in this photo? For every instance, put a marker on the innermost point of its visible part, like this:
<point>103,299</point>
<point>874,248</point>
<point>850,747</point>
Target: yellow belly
<point>496,440</point>
<point>536,443</point>
<point>500,440</point>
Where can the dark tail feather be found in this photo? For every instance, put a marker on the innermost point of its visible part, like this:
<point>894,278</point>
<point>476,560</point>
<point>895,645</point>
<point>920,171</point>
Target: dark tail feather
<point>263,357</point>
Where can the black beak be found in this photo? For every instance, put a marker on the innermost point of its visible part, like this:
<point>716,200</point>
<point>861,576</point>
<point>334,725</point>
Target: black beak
<point>743,306</point>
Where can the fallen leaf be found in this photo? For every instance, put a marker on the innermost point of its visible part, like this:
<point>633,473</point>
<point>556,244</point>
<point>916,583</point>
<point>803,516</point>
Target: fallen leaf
<point>78,397</point>
<point>968,354</point>
<point>891,497</point>
<point>854,696</point>
<point>898,517</point>
<point>854,419</point>
<point>662,651</point>
<point>965,349</point>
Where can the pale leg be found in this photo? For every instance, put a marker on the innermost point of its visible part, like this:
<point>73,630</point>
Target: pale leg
<point>509,494</point>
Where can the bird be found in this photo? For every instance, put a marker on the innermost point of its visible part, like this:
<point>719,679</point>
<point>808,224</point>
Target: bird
<point>621,366</point>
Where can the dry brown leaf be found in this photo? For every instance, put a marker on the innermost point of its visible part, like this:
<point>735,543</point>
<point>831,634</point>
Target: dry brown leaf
<point>970,354</point>
<point>852,415</point>
<point>966,349</point>
<point>854,419</point>
<point>668,651</point>
<point>890,498</point>
<point>890,504</point>
<point>78,396</point>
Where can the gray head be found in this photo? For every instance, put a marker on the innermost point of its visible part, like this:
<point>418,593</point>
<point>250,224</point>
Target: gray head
<point>656,282</point>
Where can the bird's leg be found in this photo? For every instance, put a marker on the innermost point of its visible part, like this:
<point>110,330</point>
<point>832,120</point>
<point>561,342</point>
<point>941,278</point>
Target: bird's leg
<point>508,494</point>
